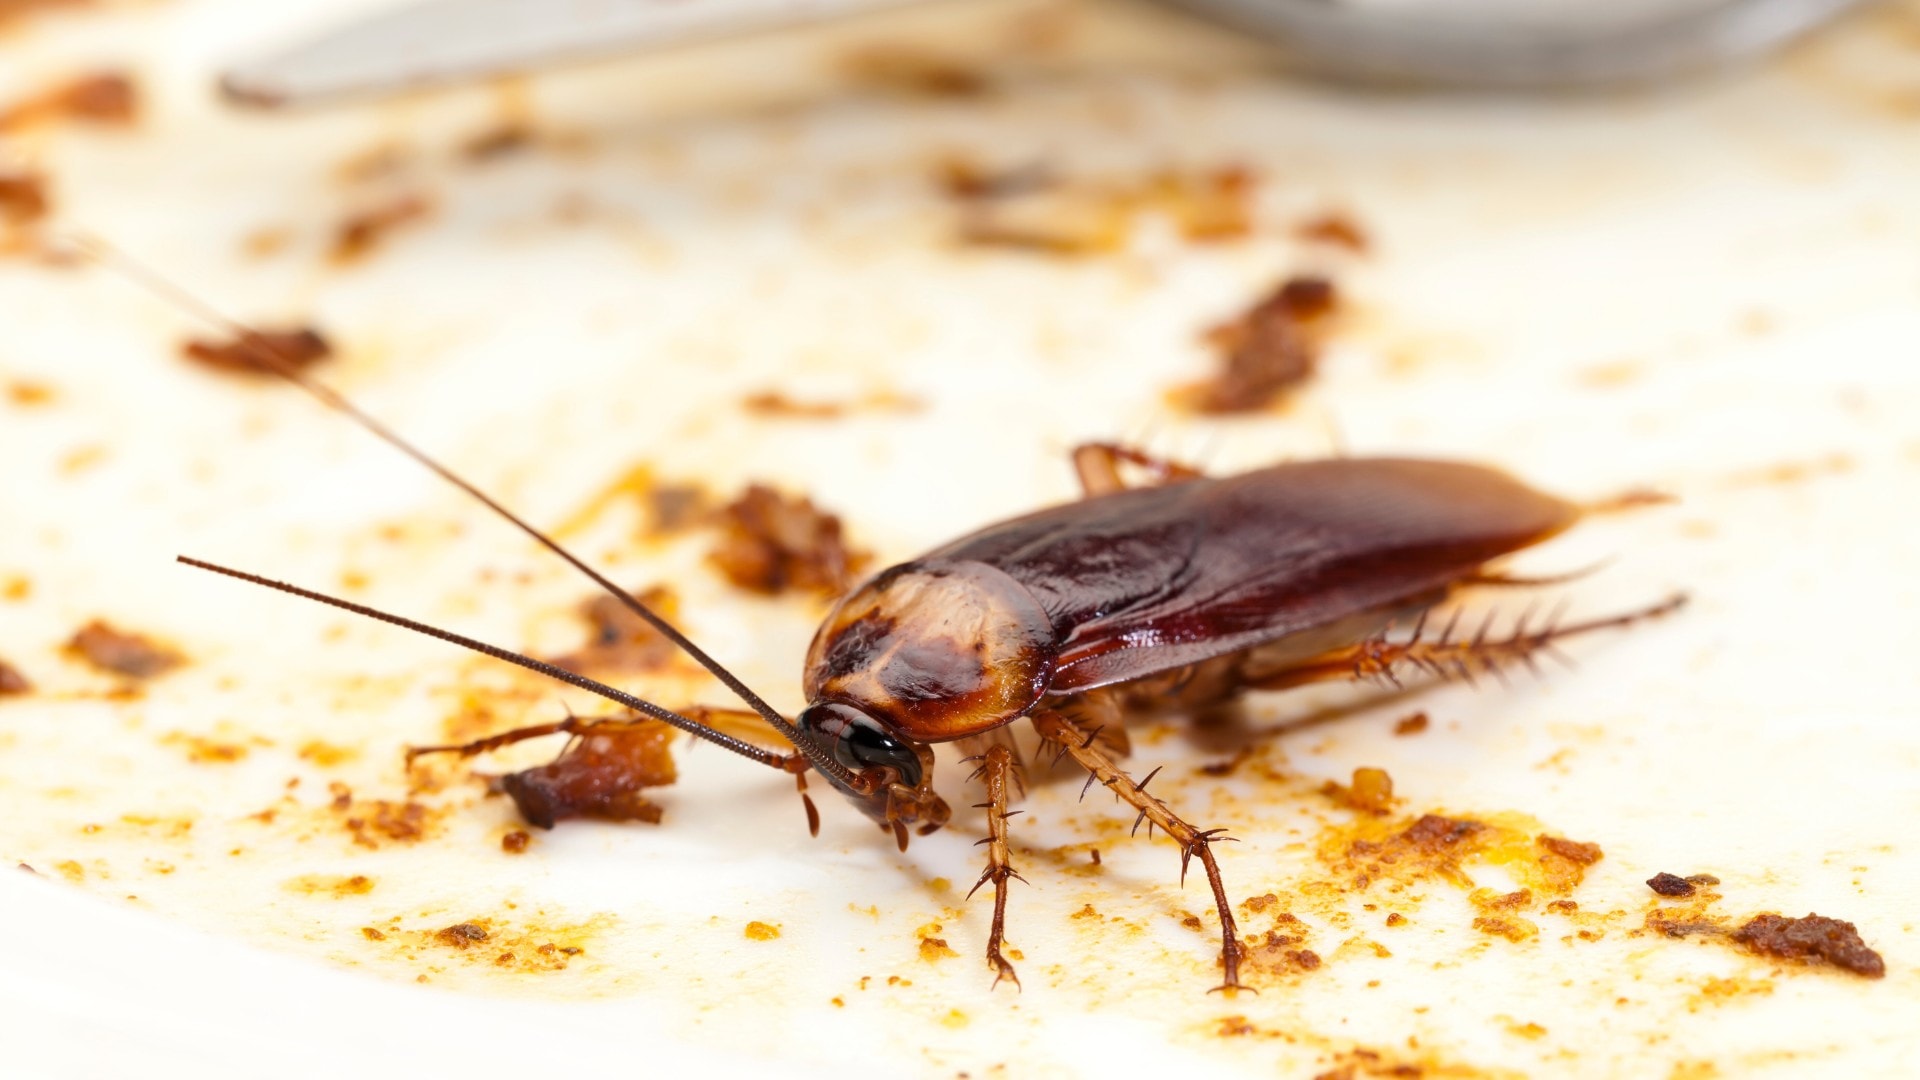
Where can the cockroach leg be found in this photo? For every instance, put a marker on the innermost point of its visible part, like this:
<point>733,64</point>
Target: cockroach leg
<point>572,726</point>
<point>1098,466</point>
<point>1444,657</point>
<point>1054,726</point>
<point>996,769</point>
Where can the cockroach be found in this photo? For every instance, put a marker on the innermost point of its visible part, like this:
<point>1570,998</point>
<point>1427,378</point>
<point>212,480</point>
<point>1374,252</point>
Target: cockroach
<point>1160,585</point>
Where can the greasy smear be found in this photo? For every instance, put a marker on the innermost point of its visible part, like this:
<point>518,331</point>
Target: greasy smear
<point>1399,852</point>
<point>618,640</point>
<point>12,682</point>
<point>23,197</point>
<point>108,98</point>
<point>1280,950</point>
<point>497,142</point>
<point>361,232</point>
<point>1334,230</point>
<point>334,885</point>
<point>912,71</point>
<point>11,10</point>
<point>206,750</point>
<point>600,775</point>
<point>774,405</point>
<point>255,352</point>
<point>490,943</point>
<point>121,653</point>
<point>1430,846</point>
<point>1270,349</point>
<point>1362,1063</point>
<point>1500,914</point>
<point>1812,939</point>
<point>772,543</point>
<point>1040,214</point>
<point>374,823</point>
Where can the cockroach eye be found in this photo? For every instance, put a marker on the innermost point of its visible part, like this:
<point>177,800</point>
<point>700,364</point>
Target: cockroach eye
<point>858,741</point>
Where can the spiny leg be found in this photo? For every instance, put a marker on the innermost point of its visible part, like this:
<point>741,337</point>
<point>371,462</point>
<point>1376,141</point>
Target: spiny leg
<point>1084,747</point>
<point>996,772</point>
<point>1445,656</point>
<point>1098,466</point>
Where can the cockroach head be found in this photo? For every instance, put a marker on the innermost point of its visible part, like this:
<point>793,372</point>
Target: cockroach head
<point>888,777</point>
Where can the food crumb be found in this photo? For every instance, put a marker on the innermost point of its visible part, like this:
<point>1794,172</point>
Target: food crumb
<point>1811,939</point>
<point>515,842</point>
<point>600,775</point>
<point>1411,725</point>
<point>619,640</point>
<point>497,142</point>
<point>759,931</point>
<point>1670,884</point>
<point>261,352</point>
<point>23,198</point>
<point>1370,793</point>
<point>461,935</point>
<point>122,653</point>
<point>361,232</point>
<point>771,543</point>
<point>1268,350</point>
<point>107,98</point>
<point>1334,230</point>
<point>372,933</point>
<point>1234,1026</point>
<point>12,683</point>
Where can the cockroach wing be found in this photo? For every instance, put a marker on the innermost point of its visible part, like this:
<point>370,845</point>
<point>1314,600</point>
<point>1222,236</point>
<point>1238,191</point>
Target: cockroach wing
<point>1153,579</point>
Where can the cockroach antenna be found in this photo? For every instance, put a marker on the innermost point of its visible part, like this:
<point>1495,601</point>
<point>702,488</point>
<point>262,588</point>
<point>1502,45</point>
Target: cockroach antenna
<point>272,358</point>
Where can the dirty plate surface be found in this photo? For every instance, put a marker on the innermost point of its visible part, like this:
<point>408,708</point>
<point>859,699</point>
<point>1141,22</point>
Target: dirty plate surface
<point>745,263</point>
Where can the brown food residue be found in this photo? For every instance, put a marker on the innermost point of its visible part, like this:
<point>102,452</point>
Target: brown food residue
<point>361,232</point>
<point>619,640</point>
<point>600,775</point>
<point>1411,725</point>
<point>1270,349</point>
<point>204,750</point>
<point>260,352</point>
<point>774,405</point>
<point>107,98</point>
<point>759,931</point>
<point>461,935</point>
<point>23,198</point>
<point>913,71</point>
<point>1811,939</point>
<point>1671,884</point>
<point>1370,793</point>
<point>1281,950</point>
<point>1033,212</point>
<point>334,885</point>
<point>122,653</point>
<point>515,842</point>
<point>374,822</point>
<point>498,141</point>
<point>13,683</point>
<point>772,543</point>
<point>1334,230</point>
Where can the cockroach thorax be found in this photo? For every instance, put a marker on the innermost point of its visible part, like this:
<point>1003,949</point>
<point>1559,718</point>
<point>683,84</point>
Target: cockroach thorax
<point>937,650</point>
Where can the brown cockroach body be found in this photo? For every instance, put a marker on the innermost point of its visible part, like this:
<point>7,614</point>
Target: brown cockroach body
<point>1184,588</point>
